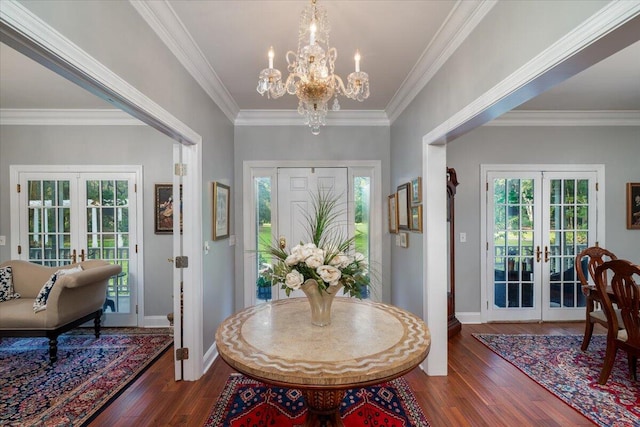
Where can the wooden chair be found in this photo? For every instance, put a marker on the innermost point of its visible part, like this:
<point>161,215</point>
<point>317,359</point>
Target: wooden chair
<point>596,257</point>
<point>625,283</point>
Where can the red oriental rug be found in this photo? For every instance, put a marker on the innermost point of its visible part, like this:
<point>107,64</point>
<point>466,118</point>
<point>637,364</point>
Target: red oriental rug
<point>248,403</point>
<point>88,375</point>
<point>557,364</point>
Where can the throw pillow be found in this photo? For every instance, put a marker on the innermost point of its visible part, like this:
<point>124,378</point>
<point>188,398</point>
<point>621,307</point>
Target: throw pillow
<point>41,300</point>
<point>6,284</point>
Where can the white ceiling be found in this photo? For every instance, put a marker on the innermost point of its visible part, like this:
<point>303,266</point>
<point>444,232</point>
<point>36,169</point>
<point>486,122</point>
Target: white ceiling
<point>392,36</point>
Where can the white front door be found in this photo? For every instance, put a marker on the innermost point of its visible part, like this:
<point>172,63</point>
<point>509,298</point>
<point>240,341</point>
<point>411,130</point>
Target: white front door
<point>296,188</point>
<point>67,217</point>
<point>536,223</point>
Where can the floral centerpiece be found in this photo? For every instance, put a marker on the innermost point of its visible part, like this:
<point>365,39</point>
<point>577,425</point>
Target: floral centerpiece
<point>324,264</point>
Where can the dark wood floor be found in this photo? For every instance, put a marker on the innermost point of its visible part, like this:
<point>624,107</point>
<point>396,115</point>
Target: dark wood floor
<point>480,390</point>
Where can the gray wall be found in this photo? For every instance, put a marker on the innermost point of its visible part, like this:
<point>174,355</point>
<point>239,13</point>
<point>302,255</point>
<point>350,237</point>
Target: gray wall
<point>115,34</point>
<point>510,35</point>
<point>99,145</point>
<point>297,143</point>
<point>618,148</point>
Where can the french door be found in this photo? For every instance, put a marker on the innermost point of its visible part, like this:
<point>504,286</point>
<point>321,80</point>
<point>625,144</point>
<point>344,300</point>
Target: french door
<point>536,223</point>
<point>68,217</point>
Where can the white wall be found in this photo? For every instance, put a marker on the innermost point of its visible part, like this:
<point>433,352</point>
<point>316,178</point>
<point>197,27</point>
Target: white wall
<point>618,148</point>
<point>297,143</point>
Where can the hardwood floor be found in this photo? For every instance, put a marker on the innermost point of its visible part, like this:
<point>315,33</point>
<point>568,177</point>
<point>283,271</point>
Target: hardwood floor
<point>481,389</point>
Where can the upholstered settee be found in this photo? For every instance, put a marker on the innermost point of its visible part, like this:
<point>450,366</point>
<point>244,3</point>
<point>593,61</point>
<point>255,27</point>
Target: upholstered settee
<point>74,299</point>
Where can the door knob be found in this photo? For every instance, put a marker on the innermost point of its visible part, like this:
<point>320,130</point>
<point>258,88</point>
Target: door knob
<point>283,242</point>
<point>169,259</point>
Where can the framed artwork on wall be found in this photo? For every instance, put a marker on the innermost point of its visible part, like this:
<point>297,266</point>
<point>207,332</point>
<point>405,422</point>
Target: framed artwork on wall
<point>403,206</point>
<point>164,208</point>
<point>633,205</point>
<point>416,191</point>
<point>416,218</point>
<point>392,204</point>
<point>221,206</point>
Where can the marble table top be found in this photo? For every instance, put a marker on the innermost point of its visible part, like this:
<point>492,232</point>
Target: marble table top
<point>366,343</point>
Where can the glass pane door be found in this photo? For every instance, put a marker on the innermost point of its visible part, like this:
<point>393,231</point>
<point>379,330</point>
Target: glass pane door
<point>512,255</point>
<point>570,198</point>
<point>49,221</point>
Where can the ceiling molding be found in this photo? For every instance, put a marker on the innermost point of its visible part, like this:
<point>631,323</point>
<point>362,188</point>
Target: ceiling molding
<point>162,19</point>
<point>462,20</point>
<point>69,117</point>
<point>292,118</point>
<point>112,117</point>
<point>567,118</point>
<point>27,33</point>
<point>562,56</point>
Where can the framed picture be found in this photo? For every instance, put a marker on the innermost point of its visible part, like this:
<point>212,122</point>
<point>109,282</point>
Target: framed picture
<point>221,205</point>
<point>416,191</point>
<point>393,213</point>
<point>403,206</point>
<point>403,240</point>
<point>633,205</point>
<point>416,218</point>
<point>164,208</point>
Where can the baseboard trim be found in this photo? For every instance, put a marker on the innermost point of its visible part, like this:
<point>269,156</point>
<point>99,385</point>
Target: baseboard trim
<point>155,322</point>
<point>469,318</point>
<point>209,357</point>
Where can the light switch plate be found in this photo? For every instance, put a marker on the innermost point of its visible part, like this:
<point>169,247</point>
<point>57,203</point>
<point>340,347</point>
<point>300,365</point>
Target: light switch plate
<point>3,240</point>
<point>463,237</point>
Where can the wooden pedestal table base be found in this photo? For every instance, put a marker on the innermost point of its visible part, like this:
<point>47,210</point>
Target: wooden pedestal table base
<point>367,343</point>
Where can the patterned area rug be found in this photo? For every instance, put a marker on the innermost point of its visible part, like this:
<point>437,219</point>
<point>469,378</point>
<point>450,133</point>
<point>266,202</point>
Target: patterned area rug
<point>89,373</point>
<point>249,403</point>
<point>557,363</point>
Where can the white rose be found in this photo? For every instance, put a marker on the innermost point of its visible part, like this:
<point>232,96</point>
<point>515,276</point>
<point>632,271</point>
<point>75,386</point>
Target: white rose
<point>292,259</point>
<point>294,280</point>
<point>341,260</point>
<point>329,274</point>
<point>307,250</point>
<point>315,260</point>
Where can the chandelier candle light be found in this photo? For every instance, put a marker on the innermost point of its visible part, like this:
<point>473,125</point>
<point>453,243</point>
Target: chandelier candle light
<point>311,72</point>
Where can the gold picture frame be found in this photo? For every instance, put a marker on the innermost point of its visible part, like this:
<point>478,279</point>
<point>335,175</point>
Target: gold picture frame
<point>164,209</point>
<point>633,205</point>
<point>416,218</point>
<point>403,202</point>
<point>416,191</point>
<point>392,205</point>
<point>221,207</point>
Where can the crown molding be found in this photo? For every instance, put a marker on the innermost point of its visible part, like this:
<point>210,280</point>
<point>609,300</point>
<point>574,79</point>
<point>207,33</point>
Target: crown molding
<point>162,19</point>
<point>26,32</point>
<point>567,118</point>
<point>110,117</point>
<point>292,118</point>
<point>560,54</point>
<point>462,20</point>
<point>69,117</point>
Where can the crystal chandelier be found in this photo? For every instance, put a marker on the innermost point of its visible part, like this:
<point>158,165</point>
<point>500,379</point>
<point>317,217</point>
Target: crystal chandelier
<point>311,71</point>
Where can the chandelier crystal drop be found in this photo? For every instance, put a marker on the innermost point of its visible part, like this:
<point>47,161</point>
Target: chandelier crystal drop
<point>311,72</point>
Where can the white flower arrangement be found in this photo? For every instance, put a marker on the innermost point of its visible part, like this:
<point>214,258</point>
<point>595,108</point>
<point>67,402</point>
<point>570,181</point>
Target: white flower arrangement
<point>327,257</point>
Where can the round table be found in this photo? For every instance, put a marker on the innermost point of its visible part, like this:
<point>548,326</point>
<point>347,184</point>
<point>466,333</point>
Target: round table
<point>366,343</point>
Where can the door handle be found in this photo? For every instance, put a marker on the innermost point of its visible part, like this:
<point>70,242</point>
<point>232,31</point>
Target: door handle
<point>283,242</point>
<point>538,253</point>
<point>546,254</point>
<point>73,257</point>
<point>82,255</point>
